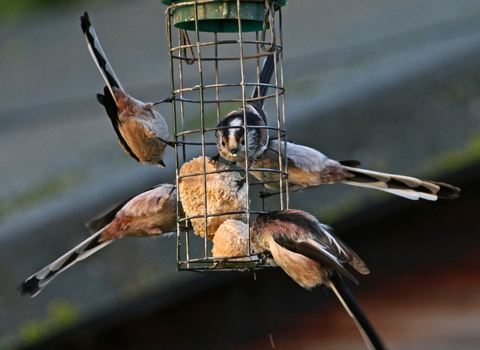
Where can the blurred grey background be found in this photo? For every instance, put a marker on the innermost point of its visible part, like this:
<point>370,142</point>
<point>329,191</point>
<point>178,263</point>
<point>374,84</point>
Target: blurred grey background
<point>394,84</point>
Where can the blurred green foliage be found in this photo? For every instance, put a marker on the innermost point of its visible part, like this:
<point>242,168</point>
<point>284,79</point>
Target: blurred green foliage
<point>61,314</point>
<point>18,8</point>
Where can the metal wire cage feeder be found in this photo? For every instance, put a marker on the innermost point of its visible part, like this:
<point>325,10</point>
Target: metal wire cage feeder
<point>215,64</point>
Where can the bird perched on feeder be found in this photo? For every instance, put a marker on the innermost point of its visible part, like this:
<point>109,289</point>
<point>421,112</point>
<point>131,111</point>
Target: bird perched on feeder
<point>231,139</point>
<point>237,139</point>
<point>308,167</point>
<point>141,131</point>
<point>150,213</point>
<point>311,255</point>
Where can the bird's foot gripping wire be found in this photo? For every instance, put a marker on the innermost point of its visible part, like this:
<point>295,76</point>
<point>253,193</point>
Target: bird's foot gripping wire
<point>215,158</point>
<point>172,143</point>
<point>168,99</point>
<point>241,182</point>
<point>221,262</point>
<point>186,228</point>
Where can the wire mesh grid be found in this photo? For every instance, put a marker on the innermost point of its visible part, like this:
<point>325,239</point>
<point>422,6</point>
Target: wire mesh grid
<point>213,74</point>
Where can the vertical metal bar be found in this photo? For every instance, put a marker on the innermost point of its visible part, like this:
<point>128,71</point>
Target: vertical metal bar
<point>242,72</point>
<point>281,162</point>
<point>202,127</point>
<point>172,88</point>
<point>217,90</point>
<point>280,37</point>
<point>257,50</point>
<point>181,41</point>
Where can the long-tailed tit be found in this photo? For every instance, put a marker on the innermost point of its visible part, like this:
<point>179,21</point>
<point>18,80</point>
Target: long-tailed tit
<point>231,139</point>
<point>311,255</point>
<point>233,142</point>
<point>310,168</point>
<point>150,213</point>
<point>141,131</point>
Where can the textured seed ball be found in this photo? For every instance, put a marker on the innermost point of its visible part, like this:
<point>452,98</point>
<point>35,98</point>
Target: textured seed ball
<point>222,194</point>
<point>231,239</point>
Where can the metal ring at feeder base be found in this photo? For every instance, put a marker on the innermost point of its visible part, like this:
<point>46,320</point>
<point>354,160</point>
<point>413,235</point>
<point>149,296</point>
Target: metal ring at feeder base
<point>219,16</point>
<point>241,263</point>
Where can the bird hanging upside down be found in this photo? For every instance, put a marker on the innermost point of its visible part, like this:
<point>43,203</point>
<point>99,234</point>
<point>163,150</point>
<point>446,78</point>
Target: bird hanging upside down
<point>141,131</point>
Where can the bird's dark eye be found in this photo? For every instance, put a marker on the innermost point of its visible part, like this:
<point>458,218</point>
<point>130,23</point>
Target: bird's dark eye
<point>242,141</point>
<point>223,143</point>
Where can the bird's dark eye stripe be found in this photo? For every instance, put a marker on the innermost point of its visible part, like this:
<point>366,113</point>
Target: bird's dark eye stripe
<point>239,133</point>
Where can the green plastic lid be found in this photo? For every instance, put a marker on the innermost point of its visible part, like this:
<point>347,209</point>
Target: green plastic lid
<point>220,16</point>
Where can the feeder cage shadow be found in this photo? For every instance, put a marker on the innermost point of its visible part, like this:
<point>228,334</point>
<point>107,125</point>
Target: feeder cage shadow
<point>216,51</point>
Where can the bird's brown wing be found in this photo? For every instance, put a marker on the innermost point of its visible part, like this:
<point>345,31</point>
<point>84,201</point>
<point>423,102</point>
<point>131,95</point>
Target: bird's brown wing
<point>108,102</point>
<point>319,253</point>
<point>103,219</point>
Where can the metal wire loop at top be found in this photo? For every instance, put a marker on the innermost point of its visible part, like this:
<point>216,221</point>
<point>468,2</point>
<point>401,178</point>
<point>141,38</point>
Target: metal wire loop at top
<point>186,40</point>
<point>268,18</point>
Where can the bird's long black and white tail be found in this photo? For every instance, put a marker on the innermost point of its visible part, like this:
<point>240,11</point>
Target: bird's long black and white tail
<point>266,74</point>
<point>366,329</point>
<point>34,284</point>
<point>98,55</point>
<point>404,186</point>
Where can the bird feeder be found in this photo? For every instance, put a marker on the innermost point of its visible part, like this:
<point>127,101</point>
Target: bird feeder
<point>220,16</point>
<point>216,51</point>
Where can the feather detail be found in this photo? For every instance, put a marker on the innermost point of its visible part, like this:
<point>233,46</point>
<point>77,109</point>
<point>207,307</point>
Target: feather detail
<point>303,247</point>
<point>309,168</point>
<point>266,75</point>
<point>366,329</point>
<point>404,186</point>
<point>141,131</point>
<point>34,284</point>
<point>98,55</point>
<point>148,214</point>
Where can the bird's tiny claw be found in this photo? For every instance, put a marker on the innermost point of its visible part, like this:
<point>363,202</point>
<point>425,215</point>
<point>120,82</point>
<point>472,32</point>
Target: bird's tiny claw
<point>215,158</point>
<point>241,182</point>
<point>168,99</point>
<point>169,143</point>
<point>186,228</point>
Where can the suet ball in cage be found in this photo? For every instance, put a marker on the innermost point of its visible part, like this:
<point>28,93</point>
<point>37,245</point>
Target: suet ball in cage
<point>222,194</point>
<point>231,239</point>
